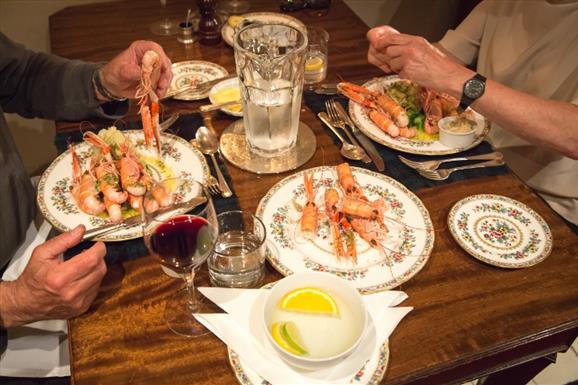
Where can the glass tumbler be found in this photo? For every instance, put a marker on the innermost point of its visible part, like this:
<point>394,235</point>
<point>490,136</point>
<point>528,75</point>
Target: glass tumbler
<point>270,60</point>
<point>238,258</point>
<point>316,62</point>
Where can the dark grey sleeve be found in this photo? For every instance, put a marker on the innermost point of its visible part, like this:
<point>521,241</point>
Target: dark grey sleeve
<point>46,86</point>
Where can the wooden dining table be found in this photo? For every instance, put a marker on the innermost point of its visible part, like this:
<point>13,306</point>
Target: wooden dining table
<point>469,319</point>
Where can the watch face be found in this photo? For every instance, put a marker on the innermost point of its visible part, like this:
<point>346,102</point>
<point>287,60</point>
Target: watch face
<point>474,88</point>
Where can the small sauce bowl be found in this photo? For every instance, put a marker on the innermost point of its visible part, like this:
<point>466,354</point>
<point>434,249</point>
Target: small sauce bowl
<point>457,131</point>
<point>225,91</point>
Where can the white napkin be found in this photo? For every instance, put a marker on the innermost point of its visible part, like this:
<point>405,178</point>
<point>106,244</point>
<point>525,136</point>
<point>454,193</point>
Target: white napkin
<point>242,330</point>
<point>38,349</point>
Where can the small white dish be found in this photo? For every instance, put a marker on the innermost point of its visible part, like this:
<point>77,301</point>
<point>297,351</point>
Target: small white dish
<point>225,91</point>
<point>460,136</point>
<point>345,295</point>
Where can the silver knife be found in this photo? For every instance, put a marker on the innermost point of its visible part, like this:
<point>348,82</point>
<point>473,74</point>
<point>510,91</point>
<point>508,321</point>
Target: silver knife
<point>201,86</point>
<point>363,140</point>
<point>137,219</point>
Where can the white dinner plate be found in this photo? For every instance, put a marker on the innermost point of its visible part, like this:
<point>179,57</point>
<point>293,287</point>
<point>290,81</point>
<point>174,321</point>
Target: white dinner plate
<point>179,157</point>
<point>361,118</point>
<point>500,231</point>
<point>228,32</point>
<point>404,252</point>
<point>186,72</point>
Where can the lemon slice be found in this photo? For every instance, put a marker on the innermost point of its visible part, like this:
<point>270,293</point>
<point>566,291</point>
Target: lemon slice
<point>288,337</point>
<point>234,21</point>
<point>314,64</point>
<point>309,300</point>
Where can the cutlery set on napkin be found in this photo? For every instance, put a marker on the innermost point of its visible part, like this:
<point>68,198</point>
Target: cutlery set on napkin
<point>241,328</point>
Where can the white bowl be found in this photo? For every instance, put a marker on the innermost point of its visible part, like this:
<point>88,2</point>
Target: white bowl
<point>231,84</point>
<point>342,292</point>
<point>453,138</point>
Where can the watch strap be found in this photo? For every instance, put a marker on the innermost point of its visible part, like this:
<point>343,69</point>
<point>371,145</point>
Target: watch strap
<point>101,89</point>
<point>465,101</point>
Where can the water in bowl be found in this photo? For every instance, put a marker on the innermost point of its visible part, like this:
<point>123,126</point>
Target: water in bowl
<point>323,335</point>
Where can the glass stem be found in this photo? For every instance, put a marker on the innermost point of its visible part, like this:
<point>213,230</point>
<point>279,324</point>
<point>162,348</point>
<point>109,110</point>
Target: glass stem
<point>190,282</point>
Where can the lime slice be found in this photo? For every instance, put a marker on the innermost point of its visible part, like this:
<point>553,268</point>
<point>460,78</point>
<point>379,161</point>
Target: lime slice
<point>292,336</point>
<point>286,339</point>
<point>309,300</point>
<point>314,64</point>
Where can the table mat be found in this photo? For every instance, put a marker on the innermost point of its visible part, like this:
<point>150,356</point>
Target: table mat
<point>186,127</point>
<point>393,166</point>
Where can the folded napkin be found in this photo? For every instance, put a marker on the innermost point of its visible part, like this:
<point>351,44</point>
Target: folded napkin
<point>38,349</point>
<point>242,330</point>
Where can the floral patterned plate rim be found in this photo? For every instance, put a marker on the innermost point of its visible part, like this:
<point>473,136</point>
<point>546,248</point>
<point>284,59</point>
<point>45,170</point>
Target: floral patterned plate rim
<point>56,204</point>
<point>370,374</point>
<point>401,255</point>
<point>500,231</point>
<point>361,119</point>
<point>194,70</point>
<point>228,32</point>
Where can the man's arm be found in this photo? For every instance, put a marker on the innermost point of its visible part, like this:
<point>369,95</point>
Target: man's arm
<point>46,86</point>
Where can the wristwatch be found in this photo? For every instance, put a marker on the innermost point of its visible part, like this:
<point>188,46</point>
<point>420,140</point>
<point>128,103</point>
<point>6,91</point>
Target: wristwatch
<point>473,89</point>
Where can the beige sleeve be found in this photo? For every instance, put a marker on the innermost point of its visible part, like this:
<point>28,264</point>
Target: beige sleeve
<point>464,41</point>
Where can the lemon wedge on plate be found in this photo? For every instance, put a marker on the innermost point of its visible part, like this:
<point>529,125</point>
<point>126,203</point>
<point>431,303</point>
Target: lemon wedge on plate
<point>287,335</point>
<point>309,300</point>
<point>234,21</point>
<point>314,64</point>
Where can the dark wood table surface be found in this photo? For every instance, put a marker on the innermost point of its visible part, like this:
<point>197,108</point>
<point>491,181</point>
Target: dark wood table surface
<point>469,319</point>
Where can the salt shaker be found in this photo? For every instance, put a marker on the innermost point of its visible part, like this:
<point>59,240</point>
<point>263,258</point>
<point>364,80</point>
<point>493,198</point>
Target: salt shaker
<point>209,27</point>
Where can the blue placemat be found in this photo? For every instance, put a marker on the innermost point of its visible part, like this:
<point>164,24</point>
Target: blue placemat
<point>185,127</point>
<point>399,171</point>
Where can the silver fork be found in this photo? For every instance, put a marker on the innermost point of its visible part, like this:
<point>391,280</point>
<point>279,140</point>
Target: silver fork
<point>434,164</point>
<point>444,174</point>
<point>338,122</point>
<point>213,185</point>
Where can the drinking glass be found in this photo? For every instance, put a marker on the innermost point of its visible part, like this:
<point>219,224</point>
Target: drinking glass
<point>316,62</point>
<point>238,258</point>
<point>233,7</point>
<point>182,243</point>
<point>270,59</point>
<point>164,27</point>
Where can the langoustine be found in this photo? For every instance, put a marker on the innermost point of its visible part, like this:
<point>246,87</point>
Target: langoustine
<point>148,99</point>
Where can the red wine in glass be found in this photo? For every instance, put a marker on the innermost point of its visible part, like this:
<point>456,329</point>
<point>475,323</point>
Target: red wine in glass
<point>182,242</point>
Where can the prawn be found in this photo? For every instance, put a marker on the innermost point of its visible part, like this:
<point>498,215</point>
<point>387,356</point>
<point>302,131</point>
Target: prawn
<point>148,99</point>
<point>309,214</point>
<point>83,188</point>
<point>106,171</point>
<point>348,183</point>
<point>341,231</point>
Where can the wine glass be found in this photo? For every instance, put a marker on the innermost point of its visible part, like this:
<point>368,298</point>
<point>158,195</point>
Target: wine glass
<point>164,27</point>
<point>182,243</point>
<point>233,7</point>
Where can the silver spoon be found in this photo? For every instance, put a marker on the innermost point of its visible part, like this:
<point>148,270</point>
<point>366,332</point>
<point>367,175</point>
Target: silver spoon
<point>208,143</point>
<point>347,150</point>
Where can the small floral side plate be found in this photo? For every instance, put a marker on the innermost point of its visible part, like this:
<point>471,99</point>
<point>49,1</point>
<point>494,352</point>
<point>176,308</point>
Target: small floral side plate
<point>370,374</point>
<point>500,231</point>
<point>361,118</point>
<point>178,159</point>
<point>399,257</point>
<point>186,72</point>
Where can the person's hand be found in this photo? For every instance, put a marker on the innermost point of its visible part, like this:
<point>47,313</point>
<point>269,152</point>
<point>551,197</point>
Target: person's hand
<point>49,288</point>
<point>121,76</point>
<point>412,58</point>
